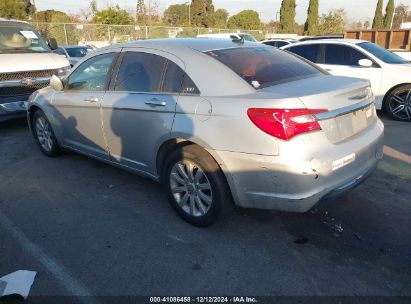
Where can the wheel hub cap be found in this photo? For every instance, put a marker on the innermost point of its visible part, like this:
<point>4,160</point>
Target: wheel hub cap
<point>400,105</point>
<point>191,188</point>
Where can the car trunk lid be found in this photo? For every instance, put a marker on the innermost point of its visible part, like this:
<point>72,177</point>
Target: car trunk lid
<point>349,103</point>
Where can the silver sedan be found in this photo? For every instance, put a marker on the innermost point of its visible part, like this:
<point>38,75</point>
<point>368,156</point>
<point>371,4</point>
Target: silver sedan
<point>218,122</point>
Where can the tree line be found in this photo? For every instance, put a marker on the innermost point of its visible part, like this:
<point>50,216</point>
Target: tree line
<point>202,13</point>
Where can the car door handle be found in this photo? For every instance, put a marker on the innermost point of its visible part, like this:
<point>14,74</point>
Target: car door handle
<point>156,102</point>
<point>91,99</point>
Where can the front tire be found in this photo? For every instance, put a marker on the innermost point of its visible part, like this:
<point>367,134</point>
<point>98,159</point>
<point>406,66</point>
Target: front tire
<point>44,135</point>
<point>196,186</point>
<point>398,103</point>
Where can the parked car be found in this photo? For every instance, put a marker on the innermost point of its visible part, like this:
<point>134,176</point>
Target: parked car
<point>235,36</point>
<point>321,37</point>
<point>27,64</point>
<point>390,75</point>
<point>278,42</point>
<point>74,53</point>
<point>215,121</point>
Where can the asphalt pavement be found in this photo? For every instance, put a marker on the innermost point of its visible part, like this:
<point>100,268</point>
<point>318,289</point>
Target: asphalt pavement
<point>92,230</point>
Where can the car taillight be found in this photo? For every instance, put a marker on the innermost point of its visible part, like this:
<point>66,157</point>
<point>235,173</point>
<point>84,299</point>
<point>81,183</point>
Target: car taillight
<point>285,123</point>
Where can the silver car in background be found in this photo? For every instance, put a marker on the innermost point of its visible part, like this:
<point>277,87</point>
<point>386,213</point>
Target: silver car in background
<point>216,122</point>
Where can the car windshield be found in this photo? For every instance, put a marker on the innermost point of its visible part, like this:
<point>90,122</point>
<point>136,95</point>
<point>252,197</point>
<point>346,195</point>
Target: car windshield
<point>77,52</point>
<point>381,53</point>
<point>265,66</point>
<point>247,37</point>
<point>20,38</point>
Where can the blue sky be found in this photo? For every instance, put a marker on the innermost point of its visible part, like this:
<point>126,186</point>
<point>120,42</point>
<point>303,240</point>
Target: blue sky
<point>356,9</point>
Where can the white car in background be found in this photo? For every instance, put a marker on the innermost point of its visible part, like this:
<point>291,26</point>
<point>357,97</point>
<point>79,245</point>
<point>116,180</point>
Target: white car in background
<point>26,65</point>
<point>278,43</point>
<point>233,36</point>
<point>390,75</point>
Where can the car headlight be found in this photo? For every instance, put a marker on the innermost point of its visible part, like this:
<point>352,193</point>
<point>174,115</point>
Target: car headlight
<point>63,71</point>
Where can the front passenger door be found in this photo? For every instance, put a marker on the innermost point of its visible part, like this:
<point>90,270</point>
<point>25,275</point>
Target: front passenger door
<point>77,107</point>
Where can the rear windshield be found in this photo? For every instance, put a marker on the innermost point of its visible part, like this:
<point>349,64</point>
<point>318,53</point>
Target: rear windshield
<point>264,66</point>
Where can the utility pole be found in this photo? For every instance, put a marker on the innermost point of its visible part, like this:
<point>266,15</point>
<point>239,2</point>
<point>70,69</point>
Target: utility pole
<point>189,12</point>
<point>149,12</point>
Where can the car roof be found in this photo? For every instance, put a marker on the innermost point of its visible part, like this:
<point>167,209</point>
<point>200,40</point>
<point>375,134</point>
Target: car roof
<point>198,44</point>
<point>335,41</point>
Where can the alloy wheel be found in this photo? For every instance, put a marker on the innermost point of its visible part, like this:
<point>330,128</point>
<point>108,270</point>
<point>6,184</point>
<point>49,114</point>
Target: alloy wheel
<point>44,134</point>
<point>400,104</point>
<point>191,188</point>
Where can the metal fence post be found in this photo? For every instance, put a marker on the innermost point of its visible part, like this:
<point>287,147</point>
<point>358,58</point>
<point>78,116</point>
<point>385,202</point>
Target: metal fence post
<point>146,32</point>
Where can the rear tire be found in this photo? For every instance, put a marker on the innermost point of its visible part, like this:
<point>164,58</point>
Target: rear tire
<point>196,186</point>
<point>44,135</point>
<point>398,103</point>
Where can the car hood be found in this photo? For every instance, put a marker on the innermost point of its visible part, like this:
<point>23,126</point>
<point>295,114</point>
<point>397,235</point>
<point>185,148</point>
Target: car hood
<point>31,62</point>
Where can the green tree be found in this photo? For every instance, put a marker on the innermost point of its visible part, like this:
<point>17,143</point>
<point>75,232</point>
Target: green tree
<point>202,13</point>
<point>176,15</point>
<point>113,15</point>
<point>401,15</point>
<point>378,19</point>
<point>311,25</point>
<point>333,22</point>
<point>141,12</point>
<point>389,14</point>
<point>51,16</point>
<point>287,16</point>
<point>16,9</point>
<point>220,18</point>
<point>245,20</point>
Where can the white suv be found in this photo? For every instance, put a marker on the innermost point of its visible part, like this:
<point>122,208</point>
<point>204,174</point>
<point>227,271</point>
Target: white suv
<point>390,75</point>
<point>27,65</point>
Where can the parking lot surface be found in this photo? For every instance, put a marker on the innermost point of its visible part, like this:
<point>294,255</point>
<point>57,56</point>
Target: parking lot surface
<point>94,230</point>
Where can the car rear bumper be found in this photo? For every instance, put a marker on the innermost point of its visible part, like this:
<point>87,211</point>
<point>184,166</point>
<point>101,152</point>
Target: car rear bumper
<point>299,178</point>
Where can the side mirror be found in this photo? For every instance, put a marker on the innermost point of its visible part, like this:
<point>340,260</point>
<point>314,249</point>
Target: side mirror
<point>366,63</point>
<point>52,44</point>
<point>56,83</point>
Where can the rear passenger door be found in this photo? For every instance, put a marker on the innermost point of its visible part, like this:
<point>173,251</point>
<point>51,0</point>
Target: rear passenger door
<point>139,108</point>
<point>342,60</point>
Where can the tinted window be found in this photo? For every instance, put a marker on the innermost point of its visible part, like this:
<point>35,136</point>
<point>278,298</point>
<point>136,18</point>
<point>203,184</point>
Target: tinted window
<point>281,43</point>
<point>77,52</point>
<point>177,81</point>
<point>60,51</point>
<point>173,78</point>
<point>188,86</point>
<point>92,74</point>
<point>140,72</point>
<point>381,53</point>
<point>342,55</point>
<point>263,67</point>
<point>271,43</point>
<point>310,52</point>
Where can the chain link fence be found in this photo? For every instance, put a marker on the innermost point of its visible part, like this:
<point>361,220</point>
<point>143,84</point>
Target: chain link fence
<point>102,34</point>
